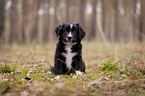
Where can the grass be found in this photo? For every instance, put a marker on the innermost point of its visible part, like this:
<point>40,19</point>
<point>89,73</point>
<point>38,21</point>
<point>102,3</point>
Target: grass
<point>111,69</point>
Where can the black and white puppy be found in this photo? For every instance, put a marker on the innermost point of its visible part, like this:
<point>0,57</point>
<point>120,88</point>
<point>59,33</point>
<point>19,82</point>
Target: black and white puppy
<point>68,56</point>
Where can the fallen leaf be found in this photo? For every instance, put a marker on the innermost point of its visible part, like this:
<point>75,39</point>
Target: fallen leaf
<point>143,86</point>
<point>123,75</point>
<point>74,77</point>
<point>3,80</point>
<point>59,85</point>
<point>57,77</point>
<point>49,72</point>
<point>131,77</point>
<point>24,93</point>
<point>28,73</point>
<point>5,90</point>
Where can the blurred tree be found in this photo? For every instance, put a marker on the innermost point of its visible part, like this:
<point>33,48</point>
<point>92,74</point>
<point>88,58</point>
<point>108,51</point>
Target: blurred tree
<point>67,10</point>
<point>125,21</point>
<point>82,12</point>
<point>142,21</point>
<point>121,19</point>
<point>51,25</point>
<point>117,31</point>
<point>130,18</point>
<point>19,20</point>
<point>2,17</point>
<point>143,26</point>
<point>112,26</point>
<point>64,11</point>
<point>135,21</point>
<point>56,14</point>
<point>71,10</point>
<point>56,6</point>
<point>13,29</point>
<point>104,4</point>
<point>35,8</point>
<point>46,7</point>
<point>30,17</point>
<point>106,15</point>
<point>93,20</point>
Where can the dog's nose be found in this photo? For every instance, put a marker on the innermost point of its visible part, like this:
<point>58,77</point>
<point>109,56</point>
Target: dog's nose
<point>69,38</point>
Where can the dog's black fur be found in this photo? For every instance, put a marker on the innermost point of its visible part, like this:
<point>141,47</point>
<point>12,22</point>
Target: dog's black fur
<point>69,47</point>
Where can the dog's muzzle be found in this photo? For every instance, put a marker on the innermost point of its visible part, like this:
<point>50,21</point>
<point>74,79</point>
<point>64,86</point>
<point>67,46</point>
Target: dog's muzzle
<point>69,37</point>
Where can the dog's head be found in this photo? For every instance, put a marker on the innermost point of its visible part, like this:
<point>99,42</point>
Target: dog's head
<point>70,32</point>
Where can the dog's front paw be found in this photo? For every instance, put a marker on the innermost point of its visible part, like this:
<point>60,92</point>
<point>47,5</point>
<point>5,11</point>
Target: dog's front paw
<point>78,72</point>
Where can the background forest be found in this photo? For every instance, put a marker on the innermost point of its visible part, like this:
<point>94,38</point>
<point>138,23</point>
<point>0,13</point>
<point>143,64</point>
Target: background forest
<point>113,48</point>
<point>35,20</point>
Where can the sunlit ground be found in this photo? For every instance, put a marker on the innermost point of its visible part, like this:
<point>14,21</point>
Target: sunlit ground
<point>111,69</point>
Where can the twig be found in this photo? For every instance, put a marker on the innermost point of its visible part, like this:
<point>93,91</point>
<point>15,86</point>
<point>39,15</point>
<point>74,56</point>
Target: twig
<point>65,63</point>
<point>46,77</point>
<point>5,90</point>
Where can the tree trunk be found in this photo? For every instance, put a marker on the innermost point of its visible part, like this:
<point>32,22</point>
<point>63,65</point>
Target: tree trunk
<point>143,24</point>
<point>117,36</point>
<point>71,5</point>
<point>46,20</point>
<point>2,17</point>
<point>67,10</point>
<point>51,21</point>
<point>30,17</point>
<point>63,13</point>
<point>93,20</point>
<point>107,19</point>
<point>13,32</point>
<point>135,28</point>
<point>112,26</point>
<point>23,23</point>
<point>141,19</point>
<point>34,30</point>
<point>82,12</point>
<point>104,8</point>
<point>56,6</point>
<point>130,12</point>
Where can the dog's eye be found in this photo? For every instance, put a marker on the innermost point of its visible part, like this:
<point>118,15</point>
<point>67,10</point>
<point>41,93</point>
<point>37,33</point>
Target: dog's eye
<point>65,31</point>
<point>74,32</point>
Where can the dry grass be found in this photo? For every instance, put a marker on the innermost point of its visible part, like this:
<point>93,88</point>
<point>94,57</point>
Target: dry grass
<point>111,69</point>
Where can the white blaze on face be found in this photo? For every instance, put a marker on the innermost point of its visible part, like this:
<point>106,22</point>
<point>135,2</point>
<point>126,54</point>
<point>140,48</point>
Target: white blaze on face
<point>70,35</point>
<point>71,25</point>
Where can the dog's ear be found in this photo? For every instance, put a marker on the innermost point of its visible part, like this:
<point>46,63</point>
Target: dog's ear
<point>81,32</point>
<point>57,30</point>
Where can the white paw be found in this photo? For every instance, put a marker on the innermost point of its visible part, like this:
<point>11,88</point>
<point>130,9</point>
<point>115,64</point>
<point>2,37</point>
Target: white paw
<point>78,72</point>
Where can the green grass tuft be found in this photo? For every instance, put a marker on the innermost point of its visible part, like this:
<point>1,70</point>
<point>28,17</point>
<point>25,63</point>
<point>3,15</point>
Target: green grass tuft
<point>109,66</point>
<point>7,68</point>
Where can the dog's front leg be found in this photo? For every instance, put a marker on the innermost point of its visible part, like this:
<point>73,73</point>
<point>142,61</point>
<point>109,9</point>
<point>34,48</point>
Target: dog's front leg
<point>78,65</point>
<point>59,66</point>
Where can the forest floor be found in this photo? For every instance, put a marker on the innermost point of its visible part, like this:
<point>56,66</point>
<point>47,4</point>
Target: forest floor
<point>111,69</point>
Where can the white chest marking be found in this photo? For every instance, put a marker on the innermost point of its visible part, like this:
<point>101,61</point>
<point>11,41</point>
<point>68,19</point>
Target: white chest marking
<point>69,55</point>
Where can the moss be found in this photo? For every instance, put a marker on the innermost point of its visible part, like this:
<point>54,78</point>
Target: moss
<point>109,66</point>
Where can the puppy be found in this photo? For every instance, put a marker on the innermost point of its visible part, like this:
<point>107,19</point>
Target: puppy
<point>68,56</point>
